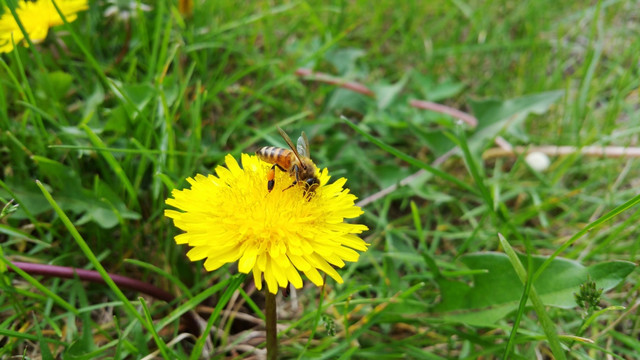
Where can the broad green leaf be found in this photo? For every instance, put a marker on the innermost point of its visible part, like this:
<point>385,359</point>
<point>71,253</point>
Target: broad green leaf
<point>388,175</point>
<point>386,93</point>
<point>57,174</point>
<point>92,103</point>
<point>494,294</point>
<point>117,120</point>
<point>342,99</point>
<point>609,273</point>
<point>438,143</point>
<point>140,94</point>
<point>59,83</point>
<point>344,60</point>
<point>99,204</point>
<point>27,192</point>
<point>433,90</point>
<point>495,116</point>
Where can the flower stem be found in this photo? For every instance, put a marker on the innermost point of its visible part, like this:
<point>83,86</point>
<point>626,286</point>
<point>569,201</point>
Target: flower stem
<point>272,320</point>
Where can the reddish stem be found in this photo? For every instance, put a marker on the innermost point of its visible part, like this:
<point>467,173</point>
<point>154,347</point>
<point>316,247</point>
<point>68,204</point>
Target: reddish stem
<point>326,78</point>
<point>93,276</point>
<point>428,105</point>
<point>360,88</point>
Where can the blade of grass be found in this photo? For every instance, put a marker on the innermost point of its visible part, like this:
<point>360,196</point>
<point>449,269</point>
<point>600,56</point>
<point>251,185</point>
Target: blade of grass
<point>162,346</point>
<point>88,56</point>
<point>25,209</point>
<point>252,304</point>
<point>315,321</point>
<point>594,59</point>
<point>35,338</point>
<point>233,285</point>
<point>24,94</point>
<point>547,325</point>
<point>606,217</point>
<point>409,159</point>
<point>128,306</point>
<point>191,304</point>
<point>139,150</point>
<point>35,283</point>
<point>37,121</point>
<point>272,10</point>
<point>45,352</point>
<point>174,280</point>
<point>155,47</point>
<point>262,132</point>
<point>167,135</point>
<point>472,166</point>
<point>500,212</point>
<point>195,140</point>
<point>114,164</point>
<point>369,320</point>
<point>431,263</point>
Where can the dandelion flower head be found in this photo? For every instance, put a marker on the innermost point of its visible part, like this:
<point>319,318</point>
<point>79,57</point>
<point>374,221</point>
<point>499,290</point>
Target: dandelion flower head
<point>231,217</point>
<point>36,17</point>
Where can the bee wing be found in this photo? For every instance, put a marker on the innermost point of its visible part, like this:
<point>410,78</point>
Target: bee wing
<point>303,145</point>
<point>287,139</point>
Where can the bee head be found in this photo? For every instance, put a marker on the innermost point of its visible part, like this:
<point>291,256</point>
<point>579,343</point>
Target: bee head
<point>312,183</point>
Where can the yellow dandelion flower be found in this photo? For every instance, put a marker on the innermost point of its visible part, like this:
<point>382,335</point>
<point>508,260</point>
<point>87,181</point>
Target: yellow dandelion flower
<point>36,17</point>
<point>231,217</point>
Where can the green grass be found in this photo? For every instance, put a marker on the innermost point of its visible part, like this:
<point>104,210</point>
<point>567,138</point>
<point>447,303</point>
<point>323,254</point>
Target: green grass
<point>109,115</point>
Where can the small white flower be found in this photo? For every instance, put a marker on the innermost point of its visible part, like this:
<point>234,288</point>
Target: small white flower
<point>538,161</point>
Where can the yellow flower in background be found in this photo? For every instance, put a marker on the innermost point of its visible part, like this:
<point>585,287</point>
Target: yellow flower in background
<point>231,217</point>
<point>36,17</point>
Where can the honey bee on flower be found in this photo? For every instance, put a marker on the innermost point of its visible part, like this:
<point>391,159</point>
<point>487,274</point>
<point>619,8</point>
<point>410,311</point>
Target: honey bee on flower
<point>296,161</point>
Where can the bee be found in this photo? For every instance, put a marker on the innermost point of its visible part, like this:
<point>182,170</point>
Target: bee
<point>295,161</point>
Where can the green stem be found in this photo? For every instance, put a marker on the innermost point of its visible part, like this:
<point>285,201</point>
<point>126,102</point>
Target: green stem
<point>272,321</point>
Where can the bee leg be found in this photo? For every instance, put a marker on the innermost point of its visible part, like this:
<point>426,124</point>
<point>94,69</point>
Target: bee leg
<point>296,169</point>
<point>271,176</point>
<point>308,193</point>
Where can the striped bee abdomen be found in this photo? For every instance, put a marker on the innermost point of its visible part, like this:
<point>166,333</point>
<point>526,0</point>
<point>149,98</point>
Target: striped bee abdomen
<point>276,155</point>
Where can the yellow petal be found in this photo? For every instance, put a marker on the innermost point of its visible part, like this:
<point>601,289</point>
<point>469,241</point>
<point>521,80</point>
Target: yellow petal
<point>233,166</point>
<point>279,274</point>
<point>346,254</point>
<point>321,264</point>
<point>212,264</point>
<point>334,260</point>
<point>200,252</point>
<point>299,262</point>
<point>38,34</point>
<point>272,283</point>
<point>257,278</point>
<point>248,260</point>
<point>353,242</point>
<point>294,277</point>
<point>262,262</point>
<point>182,239</point>
<point>313,275</point>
